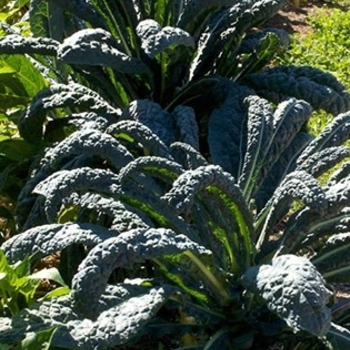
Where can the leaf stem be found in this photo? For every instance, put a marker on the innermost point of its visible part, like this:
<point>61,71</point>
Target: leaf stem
<point>218,287</point>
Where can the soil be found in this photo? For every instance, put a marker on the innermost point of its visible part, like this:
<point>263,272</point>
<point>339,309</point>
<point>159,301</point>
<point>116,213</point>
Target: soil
<point>293,19</point>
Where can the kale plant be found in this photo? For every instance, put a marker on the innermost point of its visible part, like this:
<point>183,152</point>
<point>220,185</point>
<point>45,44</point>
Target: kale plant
<point>169,244</point>
<point>173,155</point>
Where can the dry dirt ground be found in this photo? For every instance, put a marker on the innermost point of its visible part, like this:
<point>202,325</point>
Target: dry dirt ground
<point>294,19</point>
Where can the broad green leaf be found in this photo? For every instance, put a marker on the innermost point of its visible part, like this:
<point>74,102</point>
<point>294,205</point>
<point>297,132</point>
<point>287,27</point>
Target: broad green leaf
<point>48,273</point>
<point>20,81</point>
<point>39,340</point>
<point>294,290</point>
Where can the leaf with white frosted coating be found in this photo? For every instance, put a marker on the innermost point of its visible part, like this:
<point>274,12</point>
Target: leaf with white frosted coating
<point>154,117</point>
<point>126,129</point>
<point>293,289</point>
<point>186,124</point>
<point>47,239</point>
<point>90,142</point>
<point>74,95</point>
<point>334,134</point>
<point>61,184</point>
<point>333,260</point>
<point>309,84</point>
<point>128,248</point>
<point>97,47</point>
<point>123,312</point>
<point>320,162</point>
<point>17,44</point>
<point>155,39</point>
<point>187,156</point>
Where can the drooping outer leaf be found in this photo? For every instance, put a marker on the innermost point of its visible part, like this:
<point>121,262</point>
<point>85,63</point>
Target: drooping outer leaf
<point>97,47</point>
<point>129,247</point>
<point>90,142</point>
<point>124,310</point>
<point>17,44</point>
<point>59,186</point>
<point>156,39</point>
<point>296,185</point>
<point>74,95</point>
<point>140,133</point>
<point>186,190</point>
<point>294,290</point>
<point>309,84</point>
<point>47,239</point>
<point>334,134</point>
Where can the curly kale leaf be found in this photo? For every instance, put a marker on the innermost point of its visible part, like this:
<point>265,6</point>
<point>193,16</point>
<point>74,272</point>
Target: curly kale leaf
<point>17,44</point>
<point>294,290</point>
<point>124,312</point>
<point>186,125</point>
<point>59,186</point>
<point>320,89</point>
<point>133,131</point>
<point>188,157</point>
<point>128,248</point>
<point>47,239</point>
<point>334,134</point>
<point>155,39</point>
<point>151,114</point>
<point>259,133</point>
<point>97,47</point>
<point>74,95</point>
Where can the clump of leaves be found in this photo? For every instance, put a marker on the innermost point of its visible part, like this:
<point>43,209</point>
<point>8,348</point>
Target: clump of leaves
<point>203,266</point>
<point>166,173</point>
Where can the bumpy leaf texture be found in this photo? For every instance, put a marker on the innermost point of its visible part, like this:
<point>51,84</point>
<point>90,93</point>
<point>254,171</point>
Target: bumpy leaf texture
<point>124,311</point>
<point>318,88</point>
<point>17,44</point>
<point>294,290</point>
<point>155,39</point>
<point>128,248</point>
<point>97,47</point>
<point>47,239</point>
<point>74,95</point>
